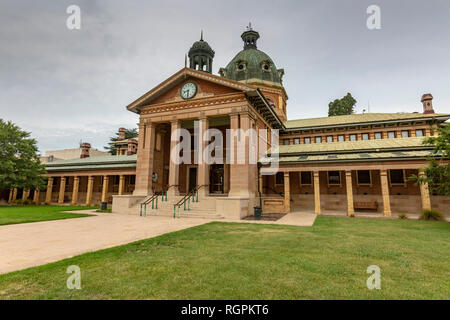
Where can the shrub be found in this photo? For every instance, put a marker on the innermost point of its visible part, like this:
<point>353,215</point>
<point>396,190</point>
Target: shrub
<point>352,215</point>
<point>402,216</point>
<point>431,214</point>
<point>18,201</point>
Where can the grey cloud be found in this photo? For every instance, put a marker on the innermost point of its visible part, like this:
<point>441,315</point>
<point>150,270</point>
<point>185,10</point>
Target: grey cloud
<point>69,85</point>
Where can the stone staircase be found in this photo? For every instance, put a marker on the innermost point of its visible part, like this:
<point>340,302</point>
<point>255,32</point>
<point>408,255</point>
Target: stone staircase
<point>204,208</point>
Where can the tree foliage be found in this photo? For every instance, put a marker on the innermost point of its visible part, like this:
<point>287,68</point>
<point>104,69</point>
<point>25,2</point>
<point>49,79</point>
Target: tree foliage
<point>437,174</point>
<point>20,166</point>
<point>342,106</point>
<point>129,133</point>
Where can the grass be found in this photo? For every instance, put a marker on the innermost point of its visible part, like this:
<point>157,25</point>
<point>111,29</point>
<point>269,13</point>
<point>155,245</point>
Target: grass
<point>255,261</point>
<point>25,214</point>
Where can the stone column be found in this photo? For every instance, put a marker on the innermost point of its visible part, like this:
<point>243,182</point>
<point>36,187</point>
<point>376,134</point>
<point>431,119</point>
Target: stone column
<point>62,189</point>
<point>36,196</point>
<point>203,167</point>
<point>144,164</point>
<point>14,197</point>
<point>25,194</point>
<point>76,184</point>
<point>348,183</point>
<point>385,193</point>
<point>105,189</point>
<point>121,184</point>
<point>287,193</point>
<point>90,188</point>
<point>316,192</point>
<point>243,172</point>
<point>424,193</point>
<point>174,167</point>
<point>48,195</point>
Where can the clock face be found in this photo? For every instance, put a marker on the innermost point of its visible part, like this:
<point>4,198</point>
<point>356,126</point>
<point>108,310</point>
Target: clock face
<point>188,90</point>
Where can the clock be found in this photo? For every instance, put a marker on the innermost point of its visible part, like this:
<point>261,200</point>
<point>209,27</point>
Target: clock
<point>188,90</point>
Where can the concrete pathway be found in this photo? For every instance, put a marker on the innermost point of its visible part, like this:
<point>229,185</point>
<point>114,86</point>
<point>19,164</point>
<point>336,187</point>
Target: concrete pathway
<point>32,244</point>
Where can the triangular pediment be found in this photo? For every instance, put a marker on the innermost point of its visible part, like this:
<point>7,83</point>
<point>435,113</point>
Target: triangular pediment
<point>209,85</point>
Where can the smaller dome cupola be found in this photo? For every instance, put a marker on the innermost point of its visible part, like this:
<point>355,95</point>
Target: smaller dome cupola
<point>201,56</point>
<point>250,37</point>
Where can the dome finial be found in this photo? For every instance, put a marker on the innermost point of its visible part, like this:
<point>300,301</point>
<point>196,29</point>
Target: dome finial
<point>201,55</point>
<point>250,37</point>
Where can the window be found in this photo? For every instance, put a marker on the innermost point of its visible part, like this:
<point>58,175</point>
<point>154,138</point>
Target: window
<point>391,134</point>
<point>305,177</point>
<point>363,176</point>
<point>341,138</point>
<point>318,139</point>
<point>365,136</point>
<point>329,138</point>
<point>279,178</point>
<point>397,176</point>
<point>378,135</point>
<point>132,180</point>
<point>307,140</point>
<point>286,142</point>
<point>334,177</point>
<point>353,137</point>
<point>419,133</point>
<point>297,141</point>
<point>405,133</point>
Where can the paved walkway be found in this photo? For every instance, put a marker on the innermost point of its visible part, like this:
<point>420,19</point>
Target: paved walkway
<point>32,244</point>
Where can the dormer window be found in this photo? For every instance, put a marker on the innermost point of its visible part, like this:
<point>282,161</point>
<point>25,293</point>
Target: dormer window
<point>266,66</point>
<point>241,66</point>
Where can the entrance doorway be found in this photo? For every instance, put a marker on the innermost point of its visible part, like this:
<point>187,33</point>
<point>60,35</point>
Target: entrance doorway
<point>216,178</point>
<point>192,182</point>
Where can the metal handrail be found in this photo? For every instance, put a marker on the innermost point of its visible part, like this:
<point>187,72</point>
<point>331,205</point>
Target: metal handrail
<point>198,188</point>
<point>186,198</point>
<point>281,194</point>
<point>164,192</point>
<point>152,199</point>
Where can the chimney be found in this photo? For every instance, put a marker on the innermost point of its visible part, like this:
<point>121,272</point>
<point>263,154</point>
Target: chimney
<point>132,147</point>
<point>122,133</point>
<point>427,101</point>
<point>85,147</point>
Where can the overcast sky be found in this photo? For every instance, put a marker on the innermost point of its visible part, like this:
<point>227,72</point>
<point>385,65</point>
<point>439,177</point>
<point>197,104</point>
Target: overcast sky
<point>70,85</point>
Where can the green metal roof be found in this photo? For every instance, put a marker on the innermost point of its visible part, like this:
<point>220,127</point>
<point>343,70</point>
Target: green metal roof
<point>352,146</point>
<point>359,119</point>
<point>351,157</point>
<point>93,163</point>
<point>253,62</point>
<point>362,150</point>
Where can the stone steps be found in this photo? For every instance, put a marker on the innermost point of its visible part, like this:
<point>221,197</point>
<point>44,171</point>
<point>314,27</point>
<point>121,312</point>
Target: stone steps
<point>204,208</point>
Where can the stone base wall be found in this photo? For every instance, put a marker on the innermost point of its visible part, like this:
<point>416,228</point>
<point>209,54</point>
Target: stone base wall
<point>124,204</point>
<point>235,208</point>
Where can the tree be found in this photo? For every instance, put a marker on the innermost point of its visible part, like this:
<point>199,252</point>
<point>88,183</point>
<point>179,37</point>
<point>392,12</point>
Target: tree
<point>341,106</point>
<point>437,174</point>
<point>129,133</point>
<point>20,166</point>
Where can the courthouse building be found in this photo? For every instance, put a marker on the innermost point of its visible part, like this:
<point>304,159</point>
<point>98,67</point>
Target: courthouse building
<point>342,164</point>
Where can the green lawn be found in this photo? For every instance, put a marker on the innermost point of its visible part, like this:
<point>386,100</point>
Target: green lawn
<point>24,214</point>
<point>255,261</point>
